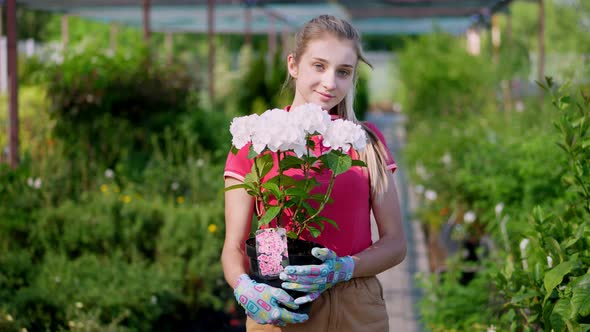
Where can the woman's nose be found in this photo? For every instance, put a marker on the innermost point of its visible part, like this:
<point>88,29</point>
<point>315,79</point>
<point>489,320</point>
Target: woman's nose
<point>329,80</point>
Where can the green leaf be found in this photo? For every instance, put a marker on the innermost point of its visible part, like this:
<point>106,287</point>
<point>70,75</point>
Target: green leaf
<point>579,234</point>
<point>560,314</point>
<point>296,192</point>
<point>234,150</point>
<point>320,197</point>
<point>555,276</point>
<point>531,293</point>
<point>269,215</point>
<point>264,164</point>
<point>313,231</point>
<point>337,162</point>
<point>290,162</point>
<point>287,181</point>
<point>251,153</point>
<point>581,296</point>
<point>319,224</point>
<point>251,177</point>
<point>357,162</point>
<point>330,221</point>
<point>555,249</point>
<point>273,188</point>
<point>236,186</point>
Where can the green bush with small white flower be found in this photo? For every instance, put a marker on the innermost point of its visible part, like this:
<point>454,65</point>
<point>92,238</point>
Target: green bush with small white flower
<point>118,228</point>
<point>516,189</point>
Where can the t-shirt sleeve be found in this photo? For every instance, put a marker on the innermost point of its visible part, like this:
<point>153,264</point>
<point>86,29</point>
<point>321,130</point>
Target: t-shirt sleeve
<point>389,162</point>
<point>238,165</point>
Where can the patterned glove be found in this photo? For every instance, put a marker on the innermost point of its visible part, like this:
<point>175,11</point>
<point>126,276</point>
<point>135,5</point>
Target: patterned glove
<point>261,303</point>
<point>314,279</point>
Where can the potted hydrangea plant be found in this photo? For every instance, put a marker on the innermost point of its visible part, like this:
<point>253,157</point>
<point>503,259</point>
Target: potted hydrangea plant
<point>286,203</point>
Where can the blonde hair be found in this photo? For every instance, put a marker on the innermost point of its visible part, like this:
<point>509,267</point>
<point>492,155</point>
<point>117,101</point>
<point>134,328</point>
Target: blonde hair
<point>375,154</point>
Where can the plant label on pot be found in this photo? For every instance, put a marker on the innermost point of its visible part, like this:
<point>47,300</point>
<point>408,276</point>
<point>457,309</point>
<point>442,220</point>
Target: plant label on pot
<point>271,251</point>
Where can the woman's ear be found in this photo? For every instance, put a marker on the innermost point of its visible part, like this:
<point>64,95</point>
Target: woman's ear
<point>292,66</point>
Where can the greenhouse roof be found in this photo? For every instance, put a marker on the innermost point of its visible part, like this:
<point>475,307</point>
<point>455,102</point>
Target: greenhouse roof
<point>369,16</point>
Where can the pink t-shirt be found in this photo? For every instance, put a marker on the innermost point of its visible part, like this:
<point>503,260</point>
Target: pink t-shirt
<point>350,208</point>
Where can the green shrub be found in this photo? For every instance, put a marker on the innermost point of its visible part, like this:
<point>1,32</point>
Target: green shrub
<point>546,279</point>
<point>135,263</point>
<point>535,273</point>
<point>440,78</point>
<point>107,107</point>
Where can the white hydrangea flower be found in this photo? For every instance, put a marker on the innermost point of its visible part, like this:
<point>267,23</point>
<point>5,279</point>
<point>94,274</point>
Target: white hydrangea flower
<point>311,118</point>
<point>430,195</point>
<point>109,174</point>
<point>277,129</point>
<point>499,208</point>
<point>469,217</point>
<point>447,159</point>
<point>343,134</point>
<point>242,129</point>
<point>274,129</point>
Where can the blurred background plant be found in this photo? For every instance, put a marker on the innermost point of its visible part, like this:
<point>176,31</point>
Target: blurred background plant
<point>113,221</point>
<point>500,191</point>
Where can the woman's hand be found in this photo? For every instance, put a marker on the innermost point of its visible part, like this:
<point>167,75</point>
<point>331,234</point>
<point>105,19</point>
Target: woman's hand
<point>261,303</point>
<point>315,279</point>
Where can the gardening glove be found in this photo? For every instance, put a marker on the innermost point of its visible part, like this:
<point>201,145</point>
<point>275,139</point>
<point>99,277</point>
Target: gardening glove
<point>314,279</point>
<point>261,303</point>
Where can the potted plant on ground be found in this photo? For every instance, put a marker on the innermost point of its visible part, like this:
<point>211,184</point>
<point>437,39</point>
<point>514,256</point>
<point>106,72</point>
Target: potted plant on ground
<point>283,147</point>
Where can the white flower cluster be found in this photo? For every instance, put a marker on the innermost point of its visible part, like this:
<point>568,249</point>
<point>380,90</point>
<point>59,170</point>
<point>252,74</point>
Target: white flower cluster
<point>34,183</point>
<point>278,129</point>
<point>342,134</point>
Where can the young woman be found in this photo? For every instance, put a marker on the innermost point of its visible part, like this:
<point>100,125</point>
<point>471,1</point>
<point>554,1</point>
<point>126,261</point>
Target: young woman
<point>346,294</point>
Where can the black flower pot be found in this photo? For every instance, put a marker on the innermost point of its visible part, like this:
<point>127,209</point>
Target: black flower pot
<point>299,254</point>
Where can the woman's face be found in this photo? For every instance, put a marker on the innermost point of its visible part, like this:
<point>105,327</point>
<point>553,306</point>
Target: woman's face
<point>324,74</point>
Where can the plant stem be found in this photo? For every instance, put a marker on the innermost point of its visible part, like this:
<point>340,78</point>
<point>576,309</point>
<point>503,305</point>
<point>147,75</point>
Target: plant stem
<point>306,168</point>
<point>259,197</point>
<point>324,202</point>
<point>280,202</point>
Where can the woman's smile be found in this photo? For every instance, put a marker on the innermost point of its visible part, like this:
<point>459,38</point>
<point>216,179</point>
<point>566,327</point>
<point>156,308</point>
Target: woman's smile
<point>325,96</point>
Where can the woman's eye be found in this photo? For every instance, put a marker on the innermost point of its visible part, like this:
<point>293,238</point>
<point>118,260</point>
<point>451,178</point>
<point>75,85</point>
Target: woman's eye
<point>343,73</point>
<point>318,66</point>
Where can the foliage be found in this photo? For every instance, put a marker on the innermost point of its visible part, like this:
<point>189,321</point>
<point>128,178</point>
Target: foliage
<point>33,126</point>
<point>448,305</point>
<point>261,83</point>
<point>534,272</point>
<point>483,164</point>
<point>550,289</point>
<point>136,245</point>
<point>106,107</point>
<point>138,261</point>
<point>435,63</point>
